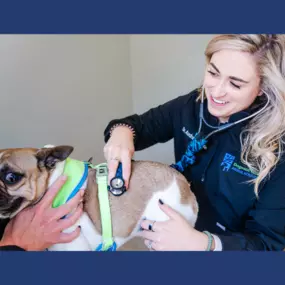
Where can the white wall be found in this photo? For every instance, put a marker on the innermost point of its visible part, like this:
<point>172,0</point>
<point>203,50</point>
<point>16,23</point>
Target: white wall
<point>63,89</point>
<point>164,67</point>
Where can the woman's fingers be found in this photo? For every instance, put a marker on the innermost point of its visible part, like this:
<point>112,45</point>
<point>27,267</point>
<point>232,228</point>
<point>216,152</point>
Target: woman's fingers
<point>150,235</point>
<point>70,220</point>
<point>152,225</point>
<point>48,198</point>
<point>113,164</point>
<point>126,167</point>
<point>68,237</point>
<point>68,207</point>
<point>152,245</point>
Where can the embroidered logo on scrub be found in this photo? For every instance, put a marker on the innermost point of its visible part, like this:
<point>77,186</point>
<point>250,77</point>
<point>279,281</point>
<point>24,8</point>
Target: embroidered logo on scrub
<point>187,133</point>
<point>229,163</point>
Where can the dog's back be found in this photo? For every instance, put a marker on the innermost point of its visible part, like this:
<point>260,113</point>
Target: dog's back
<point>149,182</point>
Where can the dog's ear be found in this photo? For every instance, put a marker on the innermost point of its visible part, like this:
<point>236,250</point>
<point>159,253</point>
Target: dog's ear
<point>48,157</point>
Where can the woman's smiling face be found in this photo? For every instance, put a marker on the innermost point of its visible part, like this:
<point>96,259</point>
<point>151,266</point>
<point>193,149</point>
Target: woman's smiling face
<point>231,83</point>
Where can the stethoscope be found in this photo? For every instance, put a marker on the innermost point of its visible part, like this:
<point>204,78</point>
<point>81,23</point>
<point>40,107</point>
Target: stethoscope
<point>199,141</point>
<point>226,126</point>
<point>117,184</point>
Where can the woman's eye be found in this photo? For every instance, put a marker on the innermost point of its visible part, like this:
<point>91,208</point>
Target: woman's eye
<point>213,73</point>
<point>12,178</point>
<point>234,85</point>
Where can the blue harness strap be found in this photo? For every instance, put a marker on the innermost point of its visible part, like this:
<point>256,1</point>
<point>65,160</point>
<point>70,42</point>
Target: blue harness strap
<point>113,247</point>
<point>81,182</point>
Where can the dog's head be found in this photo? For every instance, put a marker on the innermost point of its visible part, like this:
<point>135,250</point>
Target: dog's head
<point>25,176</point>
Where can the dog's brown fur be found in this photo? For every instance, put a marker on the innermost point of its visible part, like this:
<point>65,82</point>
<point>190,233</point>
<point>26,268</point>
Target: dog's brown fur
<point>146,179</point>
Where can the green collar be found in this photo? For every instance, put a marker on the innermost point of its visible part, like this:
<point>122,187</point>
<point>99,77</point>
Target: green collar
<point>77,173</point>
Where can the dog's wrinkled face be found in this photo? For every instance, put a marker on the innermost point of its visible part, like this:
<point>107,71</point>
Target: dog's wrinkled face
<point>24,176</point>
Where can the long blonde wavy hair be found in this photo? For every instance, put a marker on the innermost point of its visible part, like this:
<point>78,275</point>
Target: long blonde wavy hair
<point>261,140</point>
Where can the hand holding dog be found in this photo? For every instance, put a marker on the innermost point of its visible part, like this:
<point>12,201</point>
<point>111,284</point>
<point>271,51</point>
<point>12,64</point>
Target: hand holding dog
<point>39,227</point>
<point>175,234</point>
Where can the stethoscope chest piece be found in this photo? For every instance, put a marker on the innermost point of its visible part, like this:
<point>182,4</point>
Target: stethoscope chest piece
<point>117,184</point>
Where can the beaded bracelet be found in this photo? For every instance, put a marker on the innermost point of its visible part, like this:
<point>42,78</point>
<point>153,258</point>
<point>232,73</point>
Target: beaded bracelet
<point>210,240</point>
<point>122,125</point>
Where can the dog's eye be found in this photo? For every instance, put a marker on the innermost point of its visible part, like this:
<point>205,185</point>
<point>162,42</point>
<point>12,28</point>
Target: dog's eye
<point>12,178</point>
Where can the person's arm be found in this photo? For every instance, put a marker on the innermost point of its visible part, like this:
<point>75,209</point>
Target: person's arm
<point>265,224</point>
<point>3,224</point>
<point>10,248</point>
<point>154,126</point>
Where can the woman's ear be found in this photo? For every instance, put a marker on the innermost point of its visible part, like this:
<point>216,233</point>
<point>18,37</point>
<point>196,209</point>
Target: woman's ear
<point>260,93</point>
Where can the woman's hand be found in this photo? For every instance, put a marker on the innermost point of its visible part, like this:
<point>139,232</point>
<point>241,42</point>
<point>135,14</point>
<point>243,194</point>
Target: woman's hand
<point>39,227</point>
<point>175,234</point>
<point>120,148</point>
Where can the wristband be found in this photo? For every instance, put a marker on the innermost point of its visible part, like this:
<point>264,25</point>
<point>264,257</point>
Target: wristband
<point>210,240</point>
<point>122,125</point>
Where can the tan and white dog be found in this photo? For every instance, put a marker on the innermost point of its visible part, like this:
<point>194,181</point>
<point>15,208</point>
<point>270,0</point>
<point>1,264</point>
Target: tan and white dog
<point>26,174</point>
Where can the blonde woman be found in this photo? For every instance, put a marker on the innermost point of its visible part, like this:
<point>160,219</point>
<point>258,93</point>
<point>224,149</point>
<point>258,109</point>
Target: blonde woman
<point>239,177</point>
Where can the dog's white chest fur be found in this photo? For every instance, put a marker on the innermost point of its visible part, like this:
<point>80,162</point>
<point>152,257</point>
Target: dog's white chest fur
<point>88,240</point>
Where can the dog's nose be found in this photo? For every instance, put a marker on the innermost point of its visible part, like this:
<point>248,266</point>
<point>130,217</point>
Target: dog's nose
<point>4,198</point>
<point>8,204</point>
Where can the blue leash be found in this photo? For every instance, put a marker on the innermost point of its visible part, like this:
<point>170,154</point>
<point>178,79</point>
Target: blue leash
<point>189,157</point>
